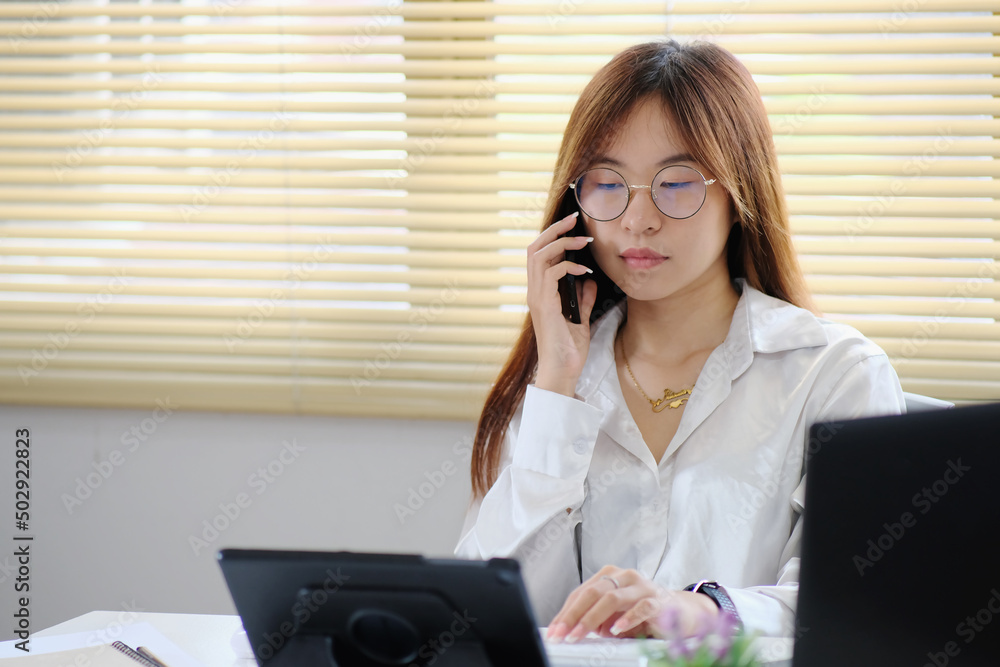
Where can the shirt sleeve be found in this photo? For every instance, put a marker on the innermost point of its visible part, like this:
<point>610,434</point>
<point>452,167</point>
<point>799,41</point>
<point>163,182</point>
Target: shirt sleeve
<point>868,388</point>
<point>532,510</point>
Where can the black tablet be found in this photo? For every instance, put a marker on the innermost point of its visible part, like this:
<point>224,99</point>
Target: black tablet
<point>344,609</point>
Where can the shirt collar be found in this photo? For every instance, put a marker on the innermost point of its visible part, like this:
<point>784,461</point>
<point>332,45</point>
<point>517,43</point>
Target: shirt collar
<point>761,324</point>
<point>777,326</point>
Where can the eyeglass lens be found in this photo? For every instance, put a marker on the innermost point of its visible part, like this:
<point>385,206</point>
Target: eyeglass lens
<point>603,194</point>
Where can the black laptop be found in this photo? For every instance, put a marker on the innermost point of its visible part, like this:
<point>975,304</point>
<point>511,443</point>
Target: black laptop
<point>900,561</point>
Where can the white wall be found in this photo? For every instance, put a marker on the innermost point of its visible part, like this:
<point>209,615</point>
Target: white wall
<point>129,542</point>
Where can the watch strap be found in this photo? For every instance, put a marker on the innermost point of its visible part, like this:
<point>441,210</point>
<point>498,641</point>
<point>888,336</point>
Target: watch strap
<point>719,595</point>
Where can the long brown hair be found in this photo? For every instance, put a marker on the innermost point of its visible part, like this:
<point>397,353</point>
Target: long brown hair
<point>719,114</point>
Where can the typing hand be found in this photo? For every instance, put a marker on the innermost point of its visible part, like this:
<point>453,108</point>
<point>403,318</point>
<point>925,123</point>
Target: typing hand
<point>623,603</point>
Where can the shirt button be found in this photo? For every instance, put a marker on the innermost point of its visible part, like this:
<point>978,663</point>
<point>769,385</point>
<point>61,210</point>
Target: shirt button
<point>580,446</point>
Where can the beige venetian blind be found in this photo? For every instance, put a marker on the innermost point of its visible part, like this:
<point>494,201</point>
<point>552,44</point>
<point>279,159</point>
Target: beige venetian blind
<point>321,207</point>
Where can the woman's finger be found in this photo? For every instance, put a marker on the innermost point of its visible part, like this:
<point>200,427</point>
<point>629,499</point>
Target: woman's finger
<point>598,601</point>
<point>610,603</point>
<point>577,604</point>
<point>553,231</point>
<point>581,599</point>
<point>557,271</point>
<point>646,609</point>
<point>555,250</point>
<point>586,297</point>
<point>550,256</point>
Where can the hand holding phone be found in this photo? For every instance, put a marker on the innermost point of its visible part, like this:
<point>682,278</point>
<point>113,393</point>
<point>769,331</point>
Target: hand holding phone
<point>567,284</point>
<point>562,343</point>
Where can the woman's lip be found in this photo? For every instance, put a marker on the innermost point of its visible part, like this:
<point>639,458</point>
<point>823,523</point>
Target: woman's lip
<point>642,262</point>
<point>642,253</point>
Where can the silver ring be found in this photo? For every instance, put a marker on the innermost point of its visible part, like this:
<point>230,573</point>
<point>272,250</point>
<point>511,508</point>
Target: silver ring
<point>612,580</point>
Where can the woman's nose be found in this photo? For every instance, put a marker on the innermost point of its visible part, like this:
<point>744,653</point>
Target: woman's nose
<point>641,214</point>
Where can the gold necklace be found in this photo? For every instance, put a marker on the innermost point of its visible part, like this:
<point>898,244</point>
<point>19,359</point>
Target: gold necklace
<point>671,399</point>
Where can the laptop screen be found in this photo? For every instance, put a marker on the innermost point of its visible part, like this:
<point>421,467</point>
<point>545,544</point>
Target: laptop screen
<point>899,562</point>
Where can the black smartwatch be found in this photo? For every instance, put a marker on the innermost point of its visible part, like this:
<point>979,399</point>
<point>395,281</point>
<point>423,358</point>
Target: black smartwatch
<point>718,594</point>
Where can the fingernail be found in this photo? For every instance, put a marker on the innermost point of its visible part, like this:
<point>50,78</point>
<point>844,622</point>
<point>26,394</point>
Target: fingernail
<point>572,215</point>
<point>589,270</point>
<point>577,633</point>
<point>616,628</point>
<point>589,239</point>
<point>556,632</point>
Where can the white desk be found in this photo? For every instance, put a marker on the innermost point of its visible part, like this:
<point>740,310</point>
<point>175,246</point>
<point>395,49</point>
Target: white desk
<point>207,638</point>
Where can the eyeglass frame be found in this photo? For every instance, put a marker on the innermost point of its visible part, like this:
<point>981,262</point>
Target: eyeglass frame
<point>572,186</point>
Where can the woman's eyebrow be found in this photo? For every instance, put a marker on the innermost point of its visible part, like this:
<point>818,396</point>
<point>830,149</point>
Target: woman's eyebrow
<point>680,157</point>
<point>673,159</point>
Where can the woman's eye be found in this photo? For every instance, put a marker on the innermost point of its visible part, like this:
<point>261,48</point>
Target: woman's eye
<point>609,186</point>
<point>676,186</point>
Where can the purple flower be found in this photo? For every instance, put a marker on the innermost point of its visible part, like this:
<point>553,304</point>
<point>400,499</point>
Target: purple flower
<point>715,632</point>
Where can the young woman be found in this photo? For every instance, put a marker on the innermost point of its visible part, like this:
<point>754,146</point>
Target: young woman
<point>659,444</point>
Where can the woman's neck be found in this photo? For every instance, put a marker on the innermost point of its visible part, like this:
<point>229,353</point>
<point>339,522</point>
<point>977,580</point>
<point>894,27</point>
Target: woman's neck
<point>668,331</point>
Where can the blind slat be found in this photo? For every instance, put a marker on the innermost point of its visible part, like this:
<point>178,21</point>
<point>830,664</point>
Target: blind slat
<point>676,25</point>
<point>450,112</point>
<point>542,47</point>
<point>557,85</point>
<point>426,10</point>
<point>295,171</point>
<point>435,67</point>
<point>802,124</point>
<point>458,184</point>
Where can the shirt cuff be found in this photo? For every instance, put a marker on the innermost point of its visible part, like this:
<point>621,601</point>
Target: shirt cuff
<point>767,615</point>
<point>557,434</point>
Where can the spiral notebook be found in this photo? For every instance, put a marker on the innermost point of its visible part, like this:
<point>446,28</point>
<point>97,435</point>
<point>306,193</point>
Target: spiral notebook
<point>102,655</point>
<point>96,650</point>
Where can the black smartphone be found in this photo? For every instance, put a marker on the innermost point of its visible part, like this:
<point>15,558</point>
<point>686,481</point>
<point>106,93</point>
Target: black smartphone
<point>567,284</point>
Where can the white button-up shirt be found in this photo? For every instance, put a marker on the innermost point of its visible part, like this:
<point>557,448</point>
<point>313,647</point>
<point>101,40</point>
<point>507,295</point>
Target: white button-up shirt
<point>579,489</point>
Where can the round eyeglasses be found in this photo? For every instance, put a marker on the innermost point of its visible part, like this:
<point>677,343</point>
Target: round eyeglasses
<point>678,191</point>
